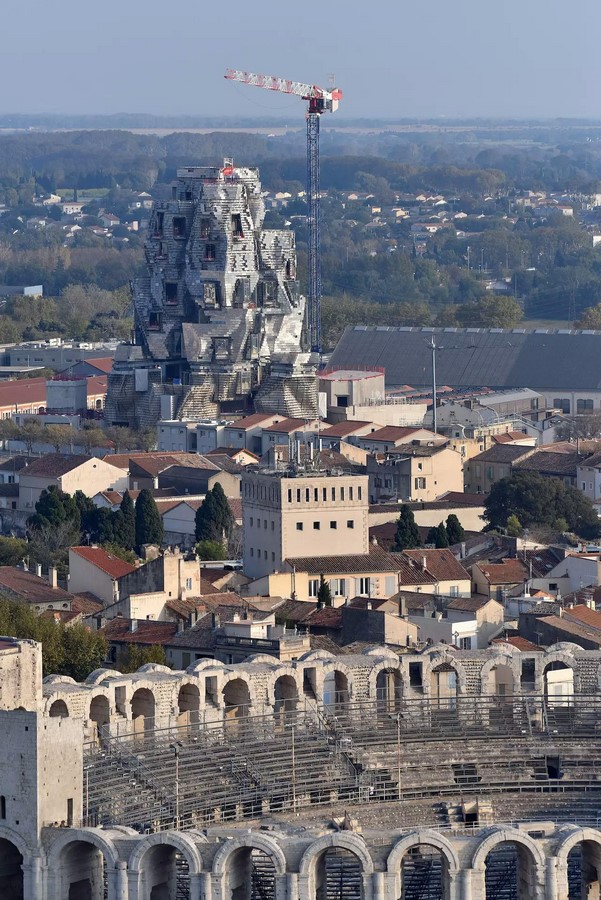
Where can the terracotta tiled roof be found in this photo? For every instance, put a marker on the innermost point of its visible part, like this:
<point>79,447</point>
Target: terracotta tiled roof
<point>287,425</point>
<point>87,604</point>
<point>501,453</point>
<point>390,433</point>
<point>508,437</point>
<point>440,563</point>
<point>377,560</point>
<point>250,421</point>
<point>547,462</point>
<point>460,499</point>
<point>469,604</point>
<point>574,628</point>
<point>294,610</point>
<point>542,561</point>
<point>54,465</point>
<point>104,561</point>
<point>584,615</point>
<point>510,571</point>
<point>118,631</point>
<point>326,617</point>
<point>30,588</point>
<point>103,363</point>
<point>520,643</point>
<point>342,429</point>
<point>232,452</point>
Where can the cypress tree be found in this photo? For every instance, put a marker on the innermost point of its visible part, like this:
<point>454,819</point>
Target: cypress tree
<point>407,533</point>
<point>125,524</point>
<point>207,520</point>
<point>455,530</point>
<point>149,525</point>
<point>225,518</point>
<point>324,594</point>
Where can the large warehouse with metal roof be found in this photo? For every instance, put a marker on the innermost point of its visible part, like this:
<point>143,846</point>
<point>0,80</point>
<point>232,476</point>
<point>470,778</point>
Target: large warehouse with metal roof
<point>558,363</point>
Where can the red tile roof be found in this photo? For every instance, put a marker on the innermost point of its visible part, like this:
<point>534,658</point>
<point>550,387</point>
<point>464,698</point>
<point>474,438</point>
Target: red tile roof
<point>118,631</point>
<point>341,429</point>
<point>584,615</point>
<point>29,587</point>
<point>377,560</point>
<point>251,421</point>
<point>54,465</point>
<point>390,433</point>
<point>103,363</point>
<point>104,561</point>
<point>287,425</point>
<point>440,563</point>
<point>510,571</point>
<point>520,643</point>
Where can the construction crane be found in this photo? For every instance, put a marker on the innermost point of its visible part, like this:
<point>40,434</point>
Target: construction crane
<point>320,101</point>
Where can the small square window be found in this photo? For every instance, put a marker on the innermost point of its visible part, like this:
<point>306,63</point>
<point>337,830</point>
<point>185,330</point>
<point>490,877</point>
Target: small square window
<point>350,523</point>
<point>299,526</point>
<point>333,524</point>
<point>316,526</point>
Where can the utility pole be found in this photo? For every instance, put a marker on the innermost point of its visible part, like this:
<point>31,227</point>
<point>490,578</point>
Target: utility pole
<point>434,412</point>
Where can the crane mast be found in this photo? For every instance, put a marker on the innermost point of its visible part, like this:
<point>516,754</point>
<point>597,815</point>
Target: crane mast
<point>320,100</point>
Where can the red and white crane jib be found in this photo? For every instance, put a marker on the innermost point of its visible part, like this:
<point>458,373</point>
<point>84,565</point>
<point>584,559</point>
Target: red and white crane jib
<point>329,99</point>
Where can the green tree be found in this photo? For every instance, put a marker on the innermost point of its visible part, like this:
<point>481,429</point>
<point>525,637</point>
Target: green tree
<point>55,507</point>
<point>130,658</point>
<point>85,651</point>
<point>125,523</point>
<point>455,530</point>
<point>324,594</point>
<point>149,525</point>
<point>12,551</point>
<point>438,536</point>
<point>407,533</point>
<point>127,556</point>
<point>210,550</point>
<point>541,501</point>
<point>214,520</point>
<point>590,318</point>
<point>513,526</point>
<point>31,432</point>
<point>58,436</point>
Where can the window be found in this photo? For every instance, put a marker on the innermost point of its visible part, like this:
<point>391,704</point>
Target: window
<point>333,493</point>
<point>298,495</point>
<point>350,523</point>
<point>420,484</point>
<point>3,807</point>
<point>237,225</point>
<point>563,404</point>
<point>465,643</point>
<point>339,587</point>
<point>363,585</point>
<point>171,293</point>
<point>273,526</point>
<point>307,495</point>
<point>251,521</point>
<point>316,526</point>
<point>272,556</point>
<point>342,493</point>
<point>258,523</point>
<point>210,251</point>
<point>289,495</point>
<point>265,524</point>
<point>179,226</point>
<point>252,551</point>
<point>316,494</point>
<point>359,492</point>
<point>188,584</point>
<point>333,524</point>
<point>185,660</point>
<point>350,493</point>
<point>390,585</point>
<point>324,493</point>
<point>264,554</point>
<point>313,587</point>
<point>584,485</point>
<point>584,406</point>
<point>299,526</point>
<point>454,590</point>
<point>205,228</point>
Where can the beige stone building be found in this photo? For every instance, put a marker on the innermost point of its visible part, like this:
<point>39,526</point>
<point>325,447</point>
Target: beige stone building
<point>419,471</point>
<point>69,473</point>
<point>287,515</point>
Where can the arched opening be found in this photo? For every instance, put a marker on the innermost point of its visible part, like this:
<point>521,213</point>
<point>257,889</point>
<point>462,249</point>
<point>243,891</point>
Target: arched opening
<point>510,872</point>
<point>142,711</point>
<point>11,871</point>
<point>389,691</point>
<point>188,705</point>
<point>236,699</point>
<point>500,691</point>
<point>59,710</point>
<point>584,871</point>
<point>444,689</point>
<point>335,691</point>
<point>100,711</point>
<point>83,872</point>
<point>285,696</point>
<point>250,875</point>
<point>165,873</point>
<point>338,875</point>
<point>424,874</point>
<point>559,687</point>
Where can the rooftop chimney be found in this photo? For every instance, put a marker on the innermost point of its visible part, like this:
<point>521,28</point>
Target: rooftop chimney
<point>424,562</point>
<point>53,576</point>
<point>38,570</point>
<point>133,625</point>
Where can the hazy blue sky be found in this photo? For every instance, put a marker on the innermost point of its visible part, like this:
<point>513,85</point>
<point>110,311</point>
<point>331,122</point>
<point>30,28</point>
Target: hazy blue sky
<point>392,58</point>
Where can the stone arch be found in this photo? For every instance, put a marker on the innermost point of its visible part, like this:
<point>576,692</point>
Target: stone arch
<point>337,686</point>
<point>250,841</point>
<point>342,841</point>
<point>79,857</point>
<point>7,834</point>
<point>501,836</point>
<point>387,686</point>
<point>143,709</point>
<point>506,659</point>
<point>188,704</point>
<point>563,652</point>
<point>58,709</point>
<point>588,842</point>
<point>236,696</point>
<point>100,710</point>
<point>285,695</point>
<point>558,690</point>
<point>438,658</point>
<point>176,839</point>
<point>572,838</point>
<point>433,839</point>
<point>18,855</point>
